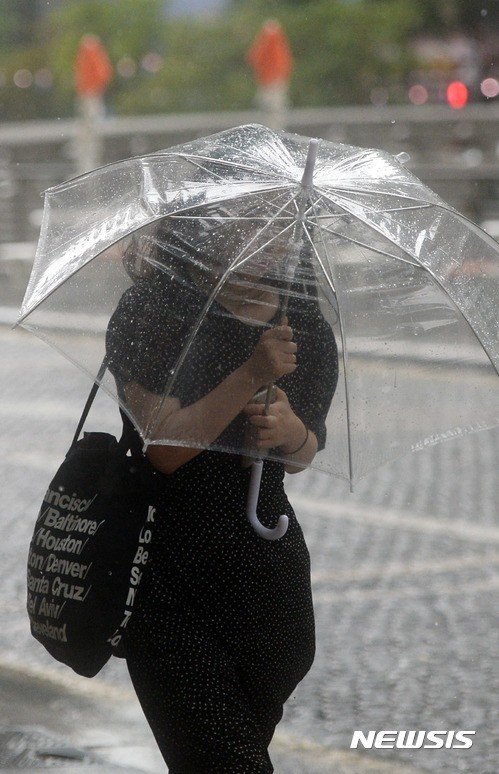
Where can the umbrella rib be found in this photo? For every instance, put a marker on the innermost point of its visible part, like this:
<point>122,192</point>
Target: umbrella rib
<point>434,277</point>
<point>191,158</point>
<point>344,205</point>
<point>463,315</point>
<point>249,153</point>
<point>229,198</point>
<point>372,226</point>
<point>343,348</point>
<point>355,191</point>
<point>195,216</point>
<point>196,161</point>
<point>377,250</point>
<point>290,201</point>
<point>358,242</point>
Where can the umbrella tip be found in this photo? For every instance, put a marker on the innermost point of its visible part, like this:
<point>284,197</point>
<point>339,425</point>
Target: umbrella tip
<point>308,173</point>
<point>403,158</point>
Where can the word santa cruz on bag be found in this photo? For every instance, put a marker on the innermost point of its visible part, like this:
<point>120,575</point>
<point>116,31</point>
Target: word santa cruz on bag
<point>89,547</point>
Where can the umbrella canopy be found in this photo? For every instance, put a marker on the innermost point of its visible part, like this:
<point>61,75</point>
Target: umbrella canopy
<point>383,260</point>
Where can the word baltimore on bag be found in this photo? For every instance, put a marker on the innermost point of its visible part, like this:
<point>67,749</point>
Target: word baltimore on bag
<point>89,548</point>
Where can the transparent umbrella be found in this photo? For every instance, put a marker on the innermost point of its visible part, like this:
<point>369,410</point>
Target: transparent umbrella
<point>405,286</point>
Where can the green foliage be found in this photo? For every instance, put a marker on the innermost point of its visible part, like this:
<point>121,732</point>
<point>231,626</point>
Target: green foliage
<point>343,49</point>
<point>203,69</point>
<point>17,22</point>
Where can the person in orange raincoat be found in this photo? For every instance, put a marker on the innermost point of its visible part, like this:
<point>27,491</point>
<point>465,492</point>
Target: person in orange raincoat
<point>271,59</point>
<point>93,70</point>
<point>93,73</point>
<point>270,55</point>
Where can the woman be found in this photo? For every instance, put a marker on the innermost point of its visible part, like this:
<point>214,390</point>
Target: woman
<point>223,626</point>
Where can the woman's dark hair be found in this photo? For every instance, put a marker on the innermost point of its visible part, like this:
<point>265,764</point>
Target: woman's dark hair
<point>160,248</point>
<point>139,257</point>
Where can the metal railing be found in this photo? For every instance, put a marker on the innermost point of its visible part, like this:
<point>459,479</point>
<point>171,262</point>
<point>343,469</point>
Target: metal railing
<point>455,152</point>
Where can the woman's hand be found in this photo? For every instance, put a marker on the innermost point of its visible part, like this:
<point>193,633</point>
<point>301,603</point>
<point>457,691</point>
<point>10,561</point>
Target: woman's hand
<point>274,355</point>
<point>279,428</point>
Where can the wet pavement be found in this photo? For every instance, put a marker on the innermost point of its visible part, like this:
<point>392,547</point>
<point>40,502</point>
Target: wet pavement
<point>49,721</point>
<point>406,576</point>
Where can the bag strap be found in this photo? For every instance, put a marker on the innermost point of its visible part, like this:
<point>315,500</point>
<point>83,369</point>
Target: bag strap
<point>130,439</point>
<point>89,401</point>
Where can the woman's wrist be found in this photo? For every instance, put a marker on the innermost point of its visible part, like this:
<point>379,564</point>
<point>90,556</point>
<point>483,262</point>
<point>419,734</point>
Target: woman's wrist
<point>250,382</point>
<point>299,441</point>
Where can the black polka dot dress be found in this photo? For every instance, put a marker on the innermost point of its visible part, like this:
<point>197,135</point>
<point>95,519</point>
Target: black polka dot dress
<point>223,625</point>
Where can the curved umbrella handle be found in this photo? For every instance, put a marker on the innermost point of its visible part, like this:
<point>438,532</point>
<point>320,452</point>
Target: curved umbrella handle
<point>254,488</point>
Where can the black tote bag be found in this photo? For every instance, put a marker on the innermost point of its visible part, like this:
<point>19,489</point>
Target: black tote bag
<point>90,546</point>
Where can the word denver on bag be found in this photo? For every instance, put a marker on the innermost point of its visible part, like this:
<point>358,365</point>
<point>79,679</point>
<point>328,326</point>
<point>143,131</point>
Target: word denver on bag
<point>89,548</point>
